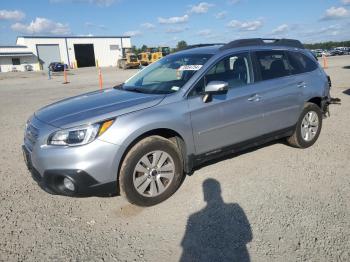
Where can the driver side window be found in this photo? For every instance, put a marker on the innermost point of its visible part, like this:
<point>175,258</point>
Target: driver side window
<point>234,69</point>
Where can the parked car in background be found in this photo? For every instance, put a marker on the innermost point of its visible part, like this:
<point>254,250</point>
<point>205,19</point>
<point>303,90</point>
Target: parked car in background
<point>57,67</point>
<point>28,68</point>
<point>335,52</point>
<point>326,53</point>
<point>318,52</point>
<point>345,50</point>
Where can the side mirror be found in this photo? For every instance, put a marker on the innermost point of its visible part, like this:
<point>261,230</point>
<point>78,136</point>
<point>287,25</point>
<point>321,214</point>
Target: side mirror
<point>214,87</point>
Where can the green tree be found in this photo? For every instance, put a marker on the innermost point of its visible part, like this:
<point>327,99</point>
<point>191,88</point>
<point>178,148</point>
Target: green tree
<point>327,45</point>
<point>181,45</point>
<point>143,48</point>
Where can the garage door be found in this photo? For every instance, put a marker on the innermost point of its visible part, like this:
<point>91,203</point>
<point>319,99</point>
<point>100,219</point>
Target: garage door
<point>48,54</point>
<point>84,54</point>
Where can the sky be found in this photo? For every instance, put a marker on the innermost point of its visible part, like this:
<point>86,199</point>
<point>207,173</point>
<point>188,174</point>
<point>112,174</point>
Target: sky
<point>165,22</point>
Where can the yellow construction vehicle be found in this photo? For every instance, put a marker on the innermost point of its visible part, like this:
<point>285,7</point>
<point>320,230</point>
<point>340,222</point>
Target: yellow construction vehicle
<point>128,60</point>
<point>153,54</point>
<point>144,58</point>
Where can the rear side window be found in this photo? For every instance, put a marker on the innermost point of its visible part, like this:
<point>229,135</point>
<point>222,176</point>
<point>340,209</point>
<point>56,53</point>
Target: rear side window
<point>300,63</point>
<point>272,64</point>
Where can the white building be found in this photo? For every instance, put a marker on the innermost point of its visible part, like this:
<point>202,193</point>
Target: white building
<point>75,51</point>
<point>17,58</point>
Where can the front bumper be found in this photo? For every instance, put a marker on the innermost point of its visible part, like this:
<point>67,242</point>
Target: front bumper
<point>84,184</point>
<point>92,168</point>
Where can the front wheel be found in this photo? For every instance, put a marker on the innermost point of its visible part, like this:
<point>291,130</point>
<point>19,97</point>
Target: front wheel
<point>151,171</point>
<point>308,127</point>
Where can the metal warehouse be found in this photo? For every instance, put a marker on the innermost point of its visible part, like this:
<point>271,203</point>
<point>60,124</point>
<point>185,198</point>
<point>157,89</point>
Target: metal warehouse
<point>75,51</point>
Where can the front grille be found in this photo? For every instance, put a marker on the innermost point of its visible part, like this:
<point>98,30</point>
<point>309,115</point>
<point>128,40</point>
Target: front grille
<point>31,135</point>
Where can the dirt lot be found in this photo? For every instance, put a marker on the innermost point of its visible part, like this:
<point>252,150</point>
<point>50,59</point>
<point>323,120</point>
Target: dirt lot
<point>282,203</point>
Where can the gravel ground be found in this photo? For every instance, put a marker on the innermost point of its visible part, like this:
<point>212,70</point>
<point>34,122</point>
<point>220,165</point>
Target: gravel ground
<point>276,203</point>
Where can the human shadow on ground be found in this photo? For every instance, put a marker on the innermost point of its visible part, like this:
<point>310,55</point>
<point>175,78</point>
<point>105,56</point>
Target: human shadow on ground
<point>218,232</point>
<point>347,92</point>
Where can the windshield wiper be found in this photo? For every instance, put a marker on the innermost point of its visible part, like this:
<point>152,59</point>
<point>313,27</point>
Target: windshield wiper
<point>134,89</point>
<point>131,88</point>
<point>119,86</point>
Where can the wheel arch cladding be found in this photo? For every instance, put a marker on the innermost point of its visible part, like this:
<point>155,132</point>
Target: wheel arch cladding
<point>167,133</point>
<point>316,100</point>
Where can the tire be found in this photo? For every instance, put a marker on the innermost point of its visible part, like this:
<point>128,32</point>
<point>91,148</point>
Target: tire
<point>305,136</point>
<point>147,184</point>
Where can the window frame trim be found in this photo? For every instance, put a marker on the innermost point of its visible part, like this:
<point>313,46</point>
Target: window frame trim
<point>258,69</point>
<point>218,60</point>
<point>301,53</point>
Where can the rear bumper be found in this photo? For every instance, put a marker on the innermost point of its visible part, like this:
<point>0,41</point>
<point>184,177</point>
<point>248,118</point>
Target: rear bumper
<point>325,106</point>
<point>326,101</point>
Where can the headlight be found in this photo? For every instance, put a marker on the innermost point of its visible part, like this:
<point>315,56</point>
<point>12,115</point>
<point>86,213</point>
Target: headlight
<point>80,135</point>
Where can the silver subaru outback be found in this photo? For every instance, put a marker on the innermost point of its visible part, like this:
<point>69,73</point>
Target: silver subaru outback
<point>140,138</point>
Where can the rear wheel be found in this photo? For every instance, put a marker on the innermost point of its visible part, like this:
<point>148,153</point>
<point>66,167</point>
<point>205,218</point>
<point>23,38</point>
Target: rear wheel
<point>308,127</point>
<point>151,171</point>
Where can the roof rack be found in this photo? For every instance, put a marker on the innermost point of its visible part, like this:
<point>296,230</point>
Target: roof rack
<point>263,42</point>
<point>202,45</point>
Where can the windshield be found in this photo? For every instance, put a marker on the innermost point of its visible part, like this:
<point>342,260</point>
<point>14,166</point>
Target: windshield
<point>167,75</point>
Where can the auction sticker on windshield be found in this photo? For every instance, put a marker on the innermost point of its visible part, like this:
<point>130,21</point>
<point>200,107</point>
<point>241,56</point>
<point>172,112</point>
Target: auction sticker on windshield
<point>190,67</point>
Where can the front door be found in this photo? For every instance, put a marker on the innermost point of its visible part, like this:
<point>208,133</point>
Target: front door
<point>228,118</point>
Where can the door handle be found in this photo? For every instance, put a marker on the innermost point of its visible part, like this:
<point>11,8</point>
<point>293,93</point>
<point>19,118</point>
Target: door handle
<point>301,84</point>
<point>254,98</point>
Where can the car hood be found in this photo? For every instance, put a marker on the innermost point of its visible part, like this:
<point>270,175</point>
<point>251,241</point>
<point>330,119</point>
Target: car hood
<point>95,106</point>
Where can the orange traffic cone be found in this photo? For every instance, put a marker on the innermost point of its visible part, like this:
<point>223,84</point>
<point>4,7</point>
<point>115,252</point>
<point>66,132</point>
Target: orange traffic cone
<point>65,76</point>
<point>100,78</point>
<point>325,62</point>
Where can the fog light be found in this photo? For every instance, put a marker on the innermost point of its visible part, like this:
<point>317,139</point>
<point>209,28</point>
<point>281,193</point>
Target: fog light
<point>68,184</point>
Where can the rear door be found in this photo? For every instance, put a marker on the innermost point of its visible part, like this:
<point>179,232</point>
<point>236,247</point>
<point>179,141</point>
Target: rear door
<point>280,90</point>
<point>305,68</point>
<point>228,118</point>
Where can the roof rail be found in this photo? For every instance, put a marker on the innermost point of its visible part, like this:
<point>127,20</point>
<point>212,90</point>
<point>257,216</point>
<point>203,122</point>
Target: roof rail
<point>202,45</point>
<point>263,42</point>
